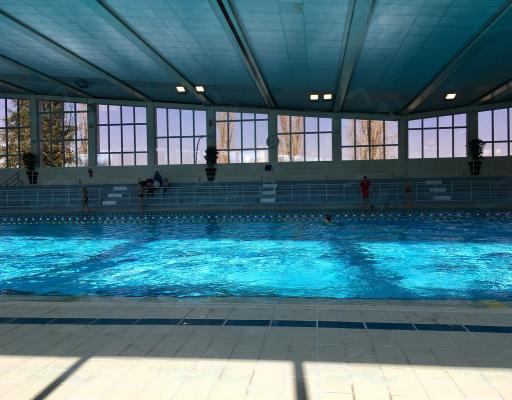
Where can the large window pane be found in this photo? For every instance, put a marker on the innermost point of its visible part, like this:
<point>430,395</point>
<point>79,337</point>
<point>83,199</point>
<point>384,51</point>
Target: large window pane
<point>445,143</point>
<point>311,147</point>
<point>485,126</point>
<point>415,144</point>
<point>429,143</point>
<point>500,123</point>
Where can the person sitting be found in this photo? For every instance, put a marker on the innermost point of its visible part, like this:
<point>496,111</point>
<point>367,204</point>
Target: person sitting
<point>158,181</point>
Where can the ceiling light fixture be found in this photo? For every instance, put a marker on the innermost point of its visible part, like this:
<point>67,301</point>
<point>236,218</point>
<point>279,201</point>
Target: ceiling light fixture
<point>450,96</point>
<point>180,89</point>
<point>200,89</point>
<point>314,97</point>
<point>327,97</point>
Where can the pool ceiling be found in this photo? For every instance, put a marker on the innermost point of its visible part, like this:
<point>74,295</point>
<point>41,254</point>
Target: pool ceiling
<point>375,56</point>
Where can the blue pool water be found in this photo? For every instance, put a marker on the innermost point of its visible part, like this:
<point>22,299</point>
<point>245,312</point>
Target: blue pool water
<point>351,259</point>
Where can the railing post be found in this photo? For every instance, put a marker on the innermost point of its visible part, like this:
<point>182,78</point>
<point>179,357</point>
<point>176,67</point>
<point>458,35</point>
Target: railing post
<point>451,190</point>
<point>471,191</point>
<point>68,196</point>
<point>37,198</point>
<point>490,190</point>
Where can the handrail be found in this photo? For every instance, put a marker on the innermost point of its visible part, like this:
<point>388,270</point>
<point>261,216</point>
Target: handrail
<point>11,181</point>
<point>333,193</point>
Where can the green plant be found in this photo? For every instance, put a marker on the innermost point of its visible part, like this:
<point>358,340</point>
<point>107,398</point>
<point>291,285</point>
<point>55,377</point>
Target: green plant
<point>29,161</point>
<point>211,155</point>
<point>476,149</point>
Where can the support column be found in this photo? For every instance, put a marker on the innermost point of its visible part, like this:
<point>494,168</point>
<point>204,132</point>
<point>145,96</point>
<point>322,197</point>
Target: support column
<point>403,144</point>
<point>34,126</point>
<point>472,121</point>
<point>151,133</point>
<point>211,140</point>
<point>92,134</point>
<point>336,139</point>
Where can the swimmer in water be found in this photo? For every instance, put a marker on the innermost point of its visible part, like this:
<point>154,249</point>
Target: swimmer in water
<point>327,218</point>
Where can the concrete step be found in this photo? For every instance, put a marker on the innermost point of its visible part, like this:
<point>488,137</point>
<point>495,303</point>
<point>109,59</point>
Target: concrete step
<point>120,188</point>
<point>433,182</point>
<point>115,195</point>
<point>109,203</point>
<point>269,185</point>
<point>437,190</point>
<point>268,192</point>
<point>440,198</point>
<point>268,200</point>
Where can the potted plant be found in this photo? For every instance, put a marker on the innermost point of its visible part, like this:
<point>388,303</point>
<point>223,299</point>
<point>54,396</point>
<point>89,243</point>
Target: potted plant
<point>211,162</point>
<point>29,161</point>
<point>476,149</point>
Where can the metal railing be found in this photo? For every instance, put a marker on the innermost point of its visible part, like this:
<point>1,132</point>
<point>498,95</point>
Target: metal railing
<point>13,180</point>
<point>181,196</point>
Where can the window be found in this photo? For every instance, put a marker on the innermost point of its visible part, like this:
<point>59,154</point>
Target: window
<point>181,136</point>
<point>122,135</point>
<point>63,134</point>
<point>438,137</point>
<point>363,139</point>
<point>304,138</point>
<point>495,129</point>
<point>14,131</point>
<point>242,137</point>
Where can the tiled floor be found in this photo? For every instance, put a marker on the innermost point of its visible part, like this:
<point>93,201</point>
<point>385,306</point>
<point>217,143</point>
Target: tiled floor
<point>143,349</point>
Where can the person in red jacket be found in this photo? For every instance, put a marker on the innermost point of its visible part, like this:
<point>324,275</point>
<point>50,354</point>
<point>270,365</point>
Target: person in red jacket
<point>365,190</point>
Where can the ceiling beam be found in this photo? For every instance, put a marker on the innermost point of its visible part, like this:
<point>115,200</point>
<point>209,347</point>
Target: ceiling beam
<point>51,80</point>
<point>356,26</point>
<point>55,46</point>
<point>230,22</point>
<point>500,90</point>
<point>116,21</point>
<point>12,86</point>
<point>458,61</point>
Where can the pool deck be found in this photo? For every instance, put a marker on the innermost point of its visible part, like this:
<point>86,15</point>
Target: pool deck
<point>254,348</point>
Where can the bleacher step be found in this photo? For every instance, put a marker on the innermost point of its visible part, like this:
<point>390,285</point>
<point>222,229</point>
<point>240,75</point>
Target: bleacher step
<point>115,195</point>
<point>268,192</point>
<point>433,182</point>
<point>442,198</point>
<point>437,190</point>
<point>120,188</point>
<point>269,185</point>
<point>268,200</point>
<point>109,203</point>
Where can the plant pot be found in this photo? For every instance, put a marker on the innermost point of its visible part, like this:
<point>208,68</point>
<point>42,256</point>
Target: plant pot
<point>32,177</point>
<point>474,167</point>
<point>210,173</point>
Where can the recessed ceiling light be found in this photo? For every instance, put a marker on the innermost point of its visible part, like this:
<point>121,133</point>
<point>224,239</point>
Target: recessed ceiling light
<point>200,89</point>
<point>180,89</point>
<point>314,97</point>
<point>451,96</point>
<point>327,96</point>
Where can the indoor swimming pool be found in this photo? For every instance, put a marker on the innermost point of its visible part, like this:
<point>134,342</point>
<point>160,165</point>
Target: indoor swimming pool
<point>215,256</point>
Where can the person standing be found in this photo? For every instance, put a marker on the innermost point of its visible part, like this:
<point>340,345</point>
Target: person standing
<point>365,190</point>
<point>85,199</point>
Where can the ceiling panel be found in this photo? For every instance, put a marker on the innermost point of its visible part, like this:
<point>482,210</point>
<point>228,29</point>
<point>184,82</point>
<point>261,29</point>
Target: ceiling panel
<point>80,27</point>
<point>407,44</point>
<point>189,34</point>
<point>297,45</point>
<point>486,66</point>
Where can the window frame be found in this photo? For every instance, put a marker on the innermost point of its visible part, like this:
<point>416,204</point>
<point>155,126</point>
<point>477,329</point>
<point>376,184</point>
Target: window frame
<point>227,120</point>
<point>305,134</point>
<point>493,142</point>
<point>181,135</point>
<point>6,156</point>
<point>62,141</point>
<point>422,128</point>
<point>371,147</point>
<point>122,125</point>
